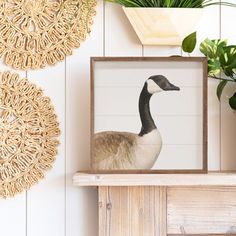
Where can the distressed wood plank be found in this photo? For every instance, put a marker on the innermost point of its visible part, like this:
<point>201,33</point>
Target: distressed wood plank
<point>102,216</point>
<point>163,211</point>
<point>201,210</point>
<point>128,211</point>
<point>199,234</point>
<point>138,179</point>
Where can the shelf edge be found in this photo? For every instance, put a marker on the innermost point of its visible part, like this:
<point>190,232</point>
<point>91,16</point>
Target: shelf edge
<point>211,179</point>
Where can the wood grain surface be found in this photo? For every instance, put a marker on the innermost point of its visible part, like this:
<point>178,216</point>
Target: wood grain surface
<point>162,211</point>
<point>128,211</point>
<point>201,210</point>
<point>143,179</point>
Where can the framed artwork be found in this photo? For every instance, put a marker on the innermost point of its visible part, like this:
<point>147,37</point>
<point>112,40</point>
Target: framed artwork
<point>149,115</point>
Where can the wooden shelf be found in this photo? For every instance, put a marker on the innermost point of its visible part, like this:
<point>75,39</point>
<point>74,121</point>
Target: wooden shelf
<point>210,179</point>
<point>164,204</point>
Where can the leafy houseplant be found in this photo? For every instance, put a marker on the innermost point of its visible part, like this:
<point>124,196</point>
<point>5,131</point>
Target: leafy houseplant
<point>221,61</point>
<point>170,3</point>
<point>164,22</point>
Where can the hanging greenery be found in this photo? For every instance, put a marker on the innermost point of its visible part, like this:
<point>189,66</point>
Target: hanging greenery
<point>221,61</point>
<point>171,3</point>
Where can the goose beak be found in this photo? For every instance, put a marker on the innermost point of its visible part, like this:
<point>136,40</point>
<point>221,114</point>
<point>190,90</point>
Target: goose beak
<point>171,87</point>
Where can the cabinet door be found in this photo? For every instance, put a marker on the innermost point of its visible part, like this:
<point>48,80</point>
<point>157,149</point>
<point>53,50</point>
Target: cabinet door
<point>201,211</point>
<point>132,211</point>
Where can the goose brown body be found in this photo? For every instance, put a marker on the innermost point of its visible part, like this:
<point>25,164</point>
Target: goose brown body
<point>123,150</point>
<point>114,150</point>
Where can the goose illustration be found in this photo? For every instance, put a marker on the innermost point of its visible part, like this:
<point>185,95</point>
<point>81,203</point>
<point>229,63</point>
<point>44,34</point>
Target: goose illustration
<point>123,150</point>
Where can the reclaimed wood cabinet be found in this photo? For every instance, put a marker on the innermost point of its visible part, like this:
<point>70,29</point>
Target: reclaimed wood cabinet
<point>161,205</point>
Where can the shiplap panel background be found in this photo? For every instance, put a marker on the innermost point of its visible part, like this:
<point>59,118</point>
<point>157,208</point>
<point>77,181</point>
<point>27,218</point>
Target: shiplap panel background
<point>54,206</point>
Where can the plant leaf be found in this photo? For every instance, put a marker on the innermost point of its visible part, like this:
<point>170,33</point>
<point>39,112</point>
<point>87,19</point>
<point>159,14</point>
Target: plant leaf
<point>171,3</point>
<point>189,43</point>
<point>213,48</point>
<point>220,88</point>
<point>214,67</point>
<point>228,60</point>
<point>232,102</point>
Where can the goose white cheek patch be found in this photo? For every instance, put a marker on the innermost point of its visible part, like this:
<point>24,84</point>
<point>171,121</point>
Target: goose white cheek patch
<point>152,87</point>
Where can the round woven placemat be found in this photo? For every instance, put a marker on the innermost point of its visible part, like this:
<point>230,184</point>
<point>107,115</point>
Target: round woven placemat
<point>29,134</point>
<point>36,33</point>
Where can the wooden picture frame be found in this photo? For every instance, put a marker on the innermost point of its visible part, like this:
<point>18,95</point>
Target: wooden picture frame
<point>199,65</point>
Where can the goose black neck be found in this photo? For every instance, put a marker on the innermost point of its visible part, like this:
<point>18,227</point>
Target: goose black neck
<point>144,110</point>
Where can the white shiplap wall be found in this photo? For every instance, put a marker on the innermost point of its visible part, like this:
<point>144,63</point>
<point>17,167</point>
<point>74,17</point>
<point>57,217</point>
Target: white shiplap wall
<point>54,206</point>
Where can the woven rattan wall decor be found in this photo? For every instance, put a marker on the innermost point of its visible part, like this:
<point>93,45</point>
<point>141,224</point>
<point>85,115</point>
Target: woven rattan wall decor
<point>29,134</point>
<point>36,33</point>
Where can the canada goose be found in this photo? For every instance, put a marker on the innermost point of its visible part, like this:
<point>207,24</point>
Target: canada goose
<point>123,150</point>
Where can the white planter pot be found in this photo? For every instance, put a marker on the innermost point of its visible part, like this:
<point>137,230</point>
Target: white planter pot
<point>163,26</point>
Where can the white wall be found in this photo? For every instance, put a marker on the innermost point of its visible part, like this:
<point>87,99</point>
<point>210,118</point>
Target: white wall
<point>54,206</point>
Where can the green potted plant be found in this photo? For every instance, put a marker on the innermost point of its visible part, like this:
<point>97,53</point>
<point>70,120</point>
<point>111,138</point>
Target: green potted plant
<point>221,62</point>
<point>164,22</point>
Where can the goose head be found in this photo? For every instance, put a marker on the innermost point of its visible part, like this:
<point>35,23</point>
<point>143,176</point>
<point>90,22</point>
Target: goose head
<point>159,83</point>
